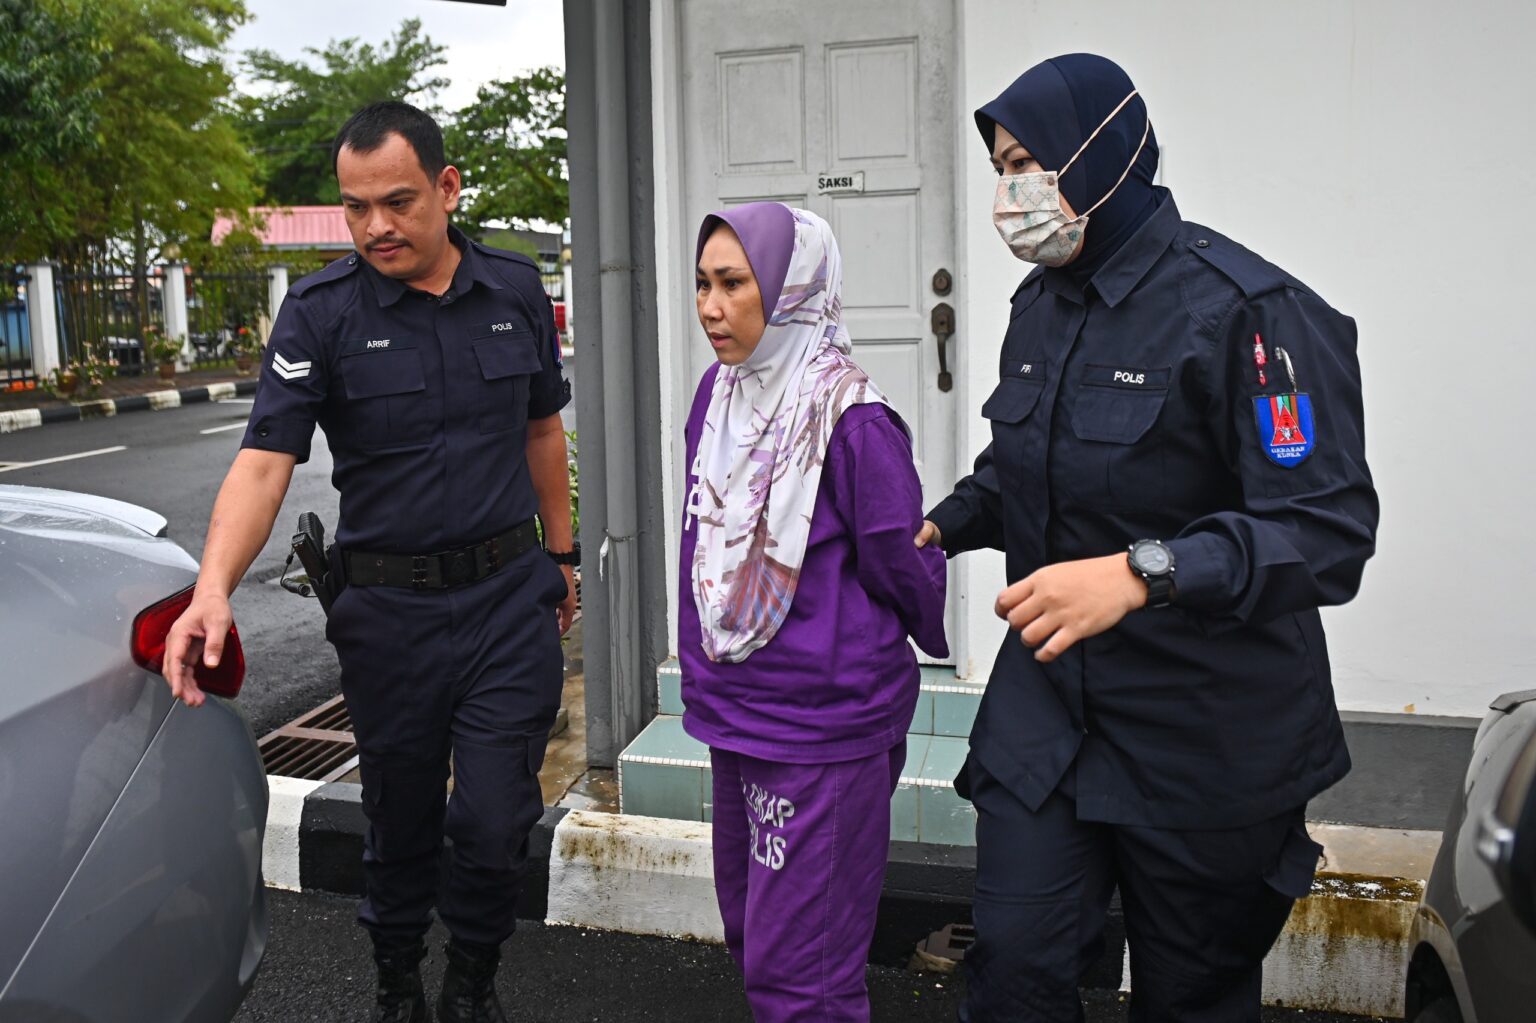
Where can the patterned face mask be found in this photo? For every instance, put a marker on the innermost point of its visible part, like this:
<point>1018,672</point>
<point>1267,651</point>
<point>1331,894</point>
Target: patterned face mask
<point>1027,207</point>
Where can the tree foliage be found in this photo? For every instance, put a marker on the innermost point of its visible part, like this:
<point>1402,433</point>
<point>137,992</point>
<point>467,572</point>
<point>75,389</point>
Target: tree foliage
<point>510,146</point>
<point>143,151</point>
<point>171,155</point>
<point>305,102</point>
<point>49,61</point>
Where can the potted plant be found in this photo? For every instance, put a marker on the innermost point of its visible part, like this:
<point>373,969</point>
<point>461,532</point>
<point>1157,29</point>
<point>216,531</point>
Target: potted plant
<point>247,347</point>
<point>64,382</point>
<point>161,350</point>
<point>81,377</point>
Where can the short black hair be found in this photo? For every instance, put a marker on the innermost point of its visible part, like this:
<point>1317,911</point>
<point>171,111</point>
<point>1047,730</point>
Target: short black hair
<point>367,129</point>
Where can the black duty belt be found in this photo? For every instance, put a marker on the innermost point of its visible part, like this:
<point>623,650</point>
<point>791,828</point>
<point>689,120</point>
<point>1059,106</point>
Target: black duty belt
<point>443,569</point>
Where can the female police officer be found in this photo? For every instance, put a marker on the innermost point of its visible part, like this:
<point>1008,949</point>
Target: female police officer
<point>1177,476</point>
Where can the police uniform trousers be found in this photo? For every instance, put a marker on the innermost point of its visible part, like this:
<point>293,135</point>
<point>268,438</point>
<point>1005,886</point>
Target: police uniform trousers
<point>474,671</point>
<point>1201,908</point>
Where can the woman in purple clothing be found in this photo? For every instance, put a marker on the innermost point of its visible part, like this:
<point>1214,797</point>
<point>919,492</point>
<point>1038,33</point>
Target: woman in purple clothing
<point>800,586</point>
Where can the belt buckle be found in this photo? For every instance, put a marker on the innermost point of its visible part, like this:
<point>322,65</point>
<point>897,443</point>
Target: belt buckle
<point>458,567</point>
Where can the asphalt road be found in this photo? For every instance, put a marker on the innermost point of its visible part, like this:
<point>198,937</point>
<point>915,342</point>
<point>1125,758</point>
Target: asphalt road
<point>318,968</point>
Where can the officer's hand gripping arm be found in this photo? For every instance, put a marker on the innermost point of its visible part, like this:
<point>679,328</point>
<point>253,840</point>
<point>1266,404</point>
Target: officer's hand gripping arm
<point>972,517</point>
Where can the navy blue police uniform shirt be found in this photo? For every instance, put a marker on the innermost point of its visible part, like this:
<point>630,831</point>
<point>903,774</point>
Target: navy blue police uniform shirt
<point>424,401</point>
<point>1133,409</point>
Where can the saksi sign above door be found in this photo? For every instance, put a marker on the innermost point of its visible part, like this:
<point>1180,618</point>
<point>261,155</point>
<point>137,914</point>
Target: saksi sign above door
<point>842,181</point>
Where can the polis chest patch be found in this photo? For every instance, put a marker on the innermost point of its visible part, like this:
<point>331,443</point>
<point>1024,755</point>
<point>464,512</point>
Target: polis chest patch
<point>1287,431</point>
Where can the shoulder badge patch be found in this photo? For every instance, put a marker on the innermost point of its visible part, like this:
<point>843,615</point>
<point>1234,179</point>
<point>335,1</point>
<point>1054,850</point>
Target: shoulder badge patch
<point>290,370</point>
<point>1287,432</point>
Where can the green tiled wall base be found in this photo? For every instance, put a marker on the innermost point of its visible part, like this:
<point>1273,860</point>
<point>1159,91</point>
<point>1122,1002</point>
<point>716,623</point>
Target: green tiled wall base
<point>665,773</point>
<point>945,705</point>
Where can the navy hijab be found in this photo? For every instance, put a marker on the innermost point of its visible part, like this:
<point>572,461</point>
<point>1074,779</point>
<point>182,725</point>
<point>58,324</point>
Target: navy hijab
<point>1051,109</point>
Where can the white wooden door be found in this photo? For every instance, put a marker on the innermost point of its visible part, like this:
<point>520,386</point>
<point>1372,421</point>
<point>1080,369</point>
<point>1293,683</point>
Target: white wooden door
<point>846,110</point>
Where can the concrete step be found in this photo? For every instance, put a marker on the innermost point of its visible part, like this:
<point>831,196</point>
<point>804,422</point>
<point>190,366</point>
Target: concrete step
<point>665,773</point>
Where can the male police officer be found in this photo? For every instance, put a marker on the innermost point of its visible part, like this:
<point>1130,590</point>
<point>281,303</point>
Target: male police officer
<point>432,364</point>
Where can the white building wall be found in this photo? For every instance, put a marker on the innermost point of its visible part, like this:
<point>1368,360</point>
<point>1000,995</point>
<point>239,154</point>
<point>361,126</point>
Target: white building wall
<point>1385,153</point>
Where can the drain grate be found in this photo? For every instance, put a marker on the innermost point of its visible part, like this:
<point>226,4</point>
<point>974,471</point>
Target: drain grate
<point>317,745</point>
<point>944,949</point>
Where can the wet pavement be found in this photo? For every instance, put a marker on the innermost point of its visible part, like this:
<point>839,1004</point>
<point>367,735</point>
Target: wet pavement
<point>318,969</point>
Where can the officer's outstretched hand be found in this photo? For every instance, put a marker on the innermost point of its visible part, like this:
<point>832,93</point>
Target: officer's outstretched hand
<point>199,633</point>
<point>567,609</point>
<point>928,534</point>
<point>1071,600</point>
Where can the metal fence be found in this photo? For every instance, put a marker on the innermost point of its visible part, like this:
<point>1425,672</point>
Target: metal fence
<point>15,333</point>
<point>103,315</point>
<point>554,283</point>
<point>224,314</point>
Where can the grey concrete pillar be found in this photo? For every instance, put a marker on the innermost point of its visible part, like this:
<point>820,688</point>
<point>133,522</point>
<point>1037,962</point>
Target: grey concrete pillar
<point>618,395</point>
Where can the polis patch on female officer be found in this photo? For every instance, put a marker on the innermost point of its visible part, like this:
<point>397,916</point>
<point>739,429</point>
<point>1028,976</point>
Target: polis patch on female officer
<point>1177,476</point>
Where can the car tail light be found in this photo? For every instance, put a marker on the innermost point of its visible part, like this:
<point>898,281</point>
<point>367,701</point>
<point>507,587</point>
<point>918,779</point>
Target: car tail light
<point>153,625</point>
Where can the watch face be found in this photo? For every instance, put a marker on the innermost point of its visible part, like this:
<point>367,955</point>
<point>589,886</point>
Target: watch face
<point>1152,559</point>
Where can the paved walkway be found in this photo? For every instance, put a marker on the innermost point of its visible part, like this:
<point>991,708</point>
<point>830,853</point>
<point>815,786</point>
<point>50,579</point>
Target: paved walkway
<point>124,387</point>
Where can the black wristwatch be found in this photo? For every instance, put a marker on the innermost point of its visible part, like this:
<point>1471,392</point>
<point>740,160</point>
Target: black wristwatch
<point>1153,561</point>
<point>570,557</point>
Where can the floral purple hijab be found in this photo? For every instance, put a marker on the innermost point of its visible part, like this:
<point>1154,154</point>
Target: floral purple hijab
<point>766,431</point>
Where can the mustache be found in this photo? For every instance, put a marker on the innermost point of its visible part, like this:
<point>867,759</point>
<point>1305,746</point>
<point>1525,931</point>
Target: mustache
<point>388,241</point>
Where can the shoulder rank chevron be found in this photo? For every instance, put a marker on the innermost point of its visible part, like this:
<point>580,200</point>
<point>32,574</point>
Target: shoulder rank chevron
<point>289,370</point>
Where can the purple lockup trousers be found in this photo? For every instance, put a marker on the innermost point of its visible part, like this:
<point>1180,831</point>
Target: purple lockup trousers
<point>800,852</point>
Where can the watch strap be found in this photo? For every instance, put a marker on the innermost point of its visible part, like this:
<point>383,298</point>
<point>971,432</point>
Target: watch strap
<point>570,557</point>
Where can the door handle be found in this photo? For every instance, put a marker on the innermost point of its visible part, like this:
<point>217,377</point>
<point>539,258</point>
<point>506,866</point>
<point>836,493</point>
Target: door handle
<point>942,320</point>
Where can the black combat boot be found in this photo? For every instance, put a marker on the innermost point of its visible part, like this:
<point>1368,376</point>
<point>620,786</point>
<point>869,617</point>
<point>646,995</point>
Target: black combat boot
<point>469,985</point>
<point>400,999</point>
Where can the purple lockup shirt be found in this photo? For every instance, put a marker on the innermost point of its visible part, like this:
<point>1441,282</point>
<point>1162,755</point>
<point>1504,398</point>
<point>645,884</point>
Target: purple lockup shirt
<point>838,681</point>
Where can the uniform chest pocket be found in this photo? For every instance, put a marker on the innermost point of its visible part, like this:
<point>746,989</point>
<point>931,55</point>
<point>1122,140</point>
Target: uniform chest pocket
<point>506,361</point>
<point>387,401</point>
<point>1114,411</point>
<point>1009,409</point>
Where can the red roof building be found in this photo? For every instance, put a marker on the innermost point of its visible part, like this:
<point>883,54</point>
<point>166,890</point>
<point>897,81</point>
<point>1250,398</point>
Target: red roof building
<point>320,229</point>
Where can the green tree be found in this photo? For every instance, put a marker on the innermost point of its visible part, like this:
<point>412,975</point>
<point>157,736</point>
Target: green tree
<point>114,124</point>
<point>117,139</point>
<point>50,56</point>
<point>510,146</point>
<point>291,125</point>
<point>169,157</point>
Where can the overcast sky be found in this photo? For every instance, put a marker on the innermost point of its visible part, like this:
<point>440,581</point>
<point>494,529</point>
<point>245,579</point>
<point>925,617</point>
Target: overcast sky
<point>483,42</point>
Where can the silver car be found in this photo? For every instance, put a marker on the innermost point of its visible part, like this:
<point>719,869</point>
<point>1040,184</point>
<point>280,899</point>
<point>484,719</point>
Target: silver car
<point>130,827</point>
<point>1474,936</point>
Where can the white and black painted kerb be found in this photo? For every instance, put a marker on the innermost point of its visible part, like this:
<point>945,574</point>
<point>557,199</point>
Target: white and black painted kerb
<point>154,401</point>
